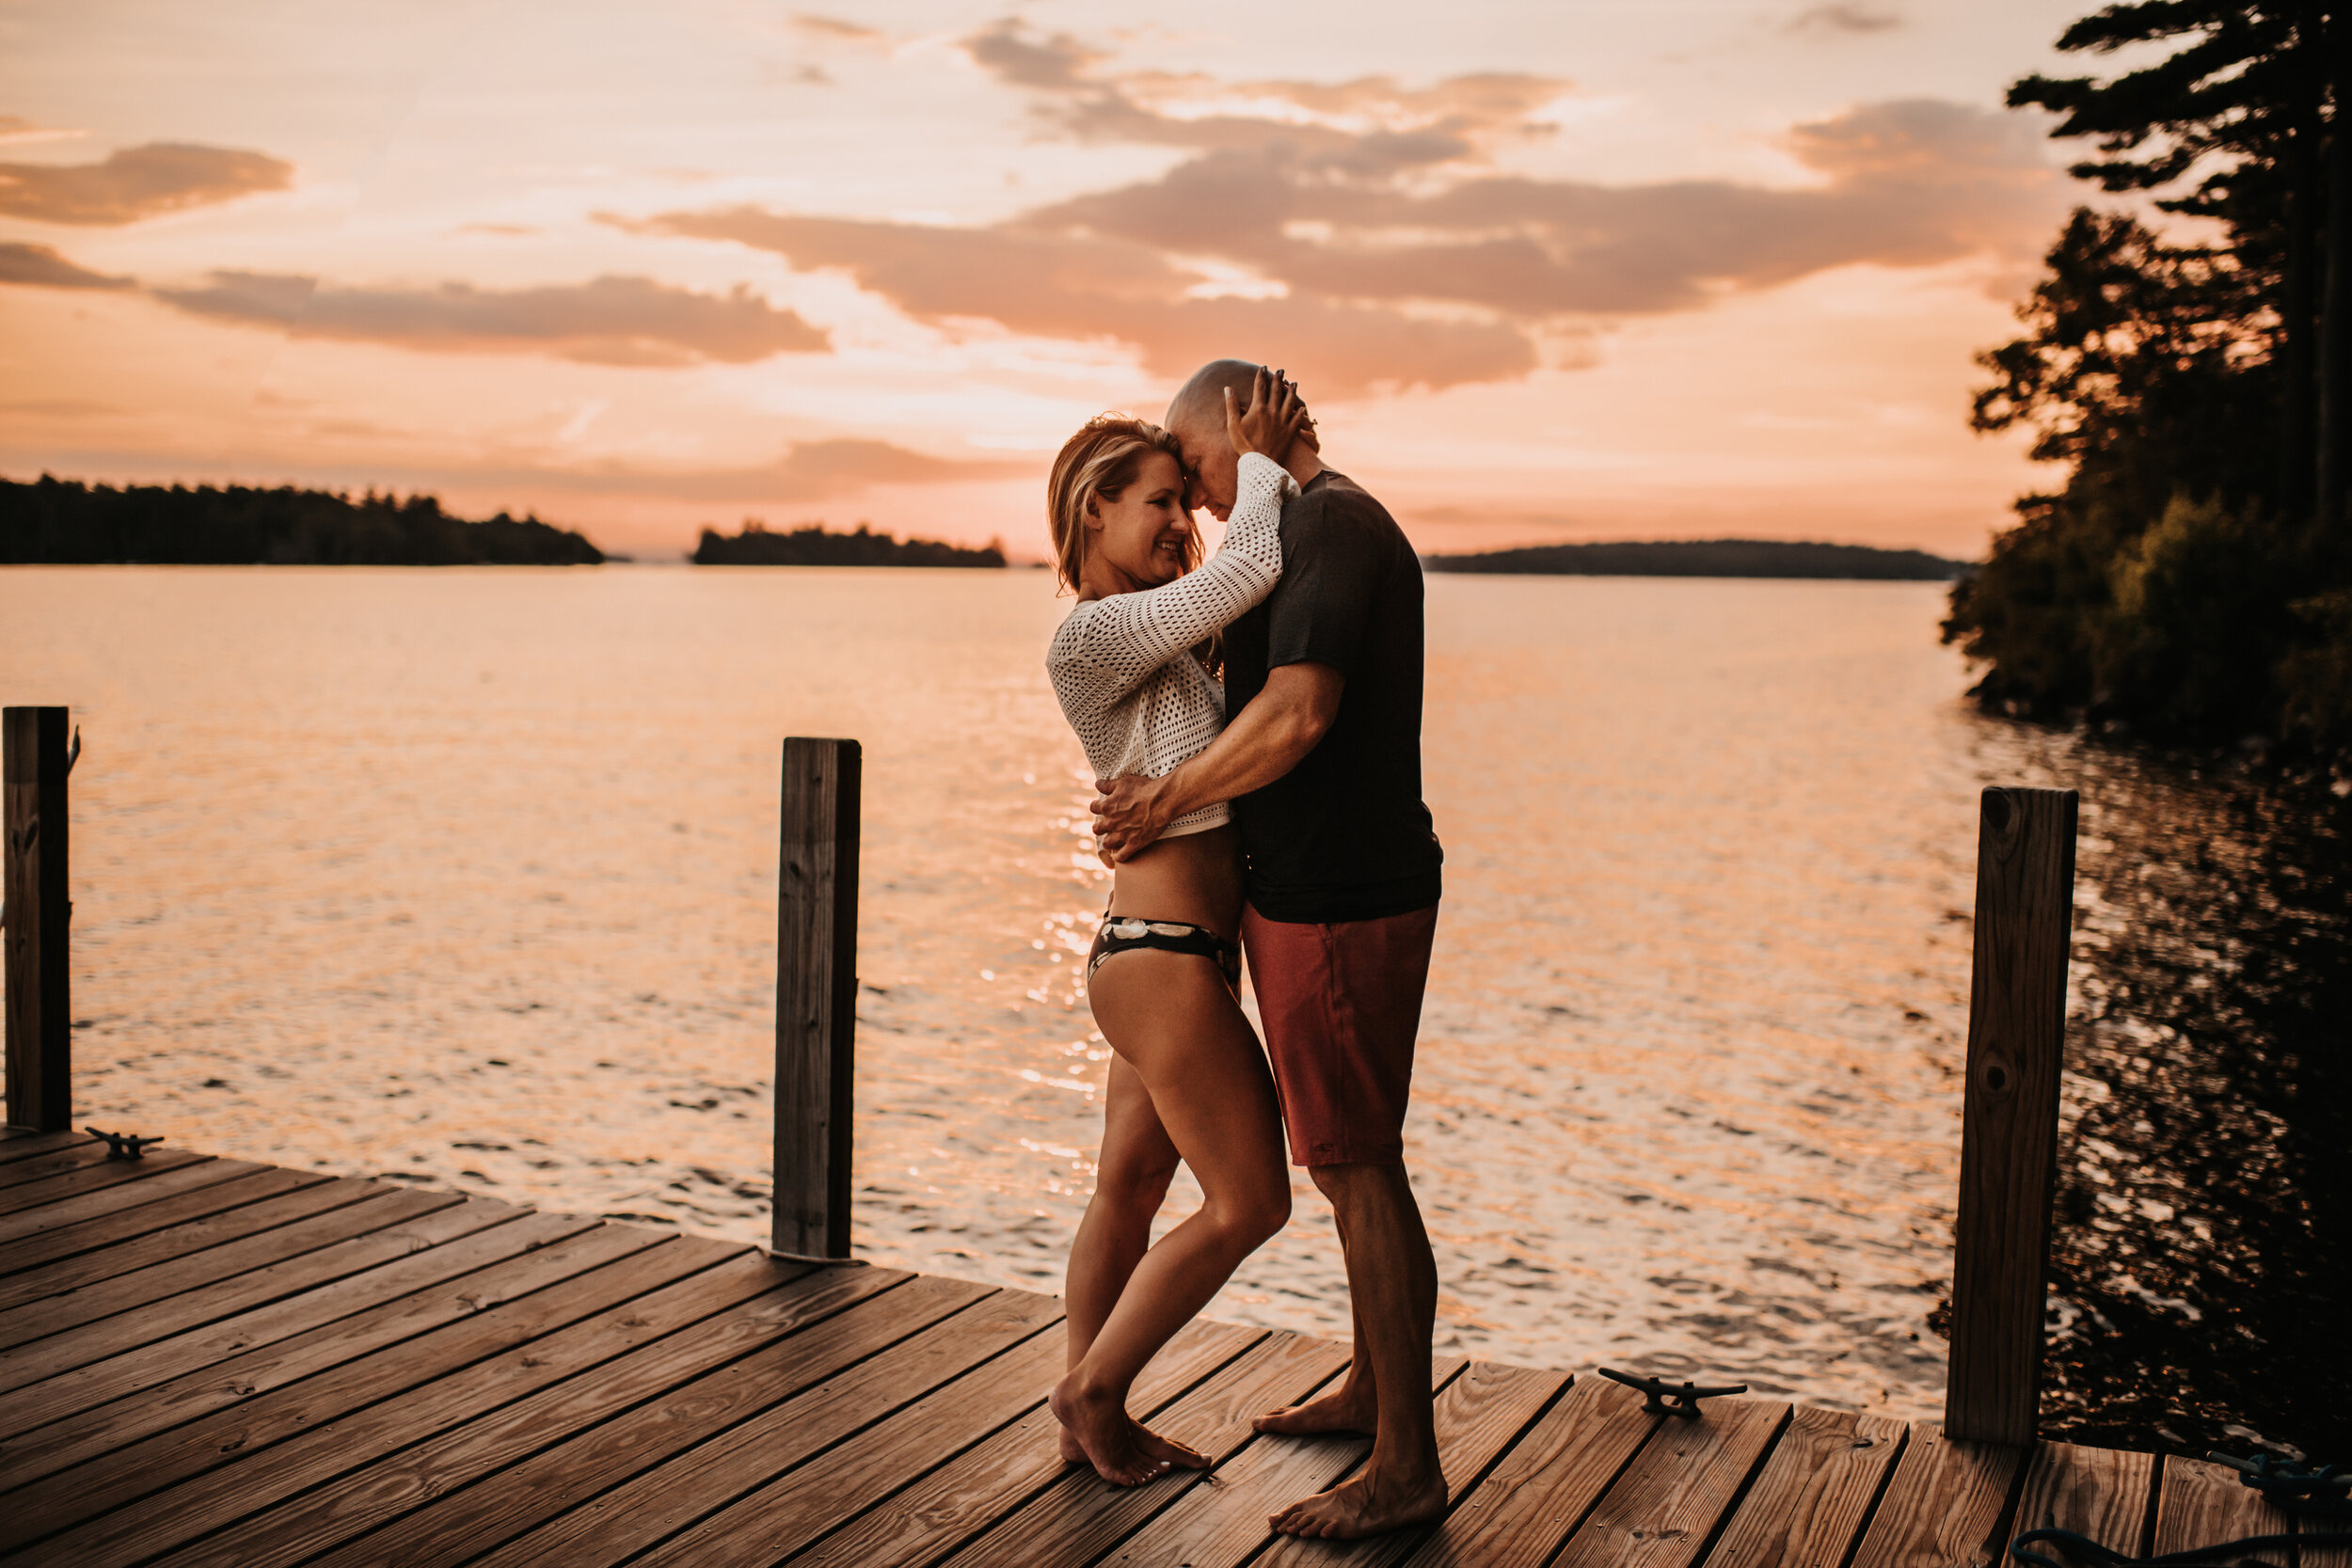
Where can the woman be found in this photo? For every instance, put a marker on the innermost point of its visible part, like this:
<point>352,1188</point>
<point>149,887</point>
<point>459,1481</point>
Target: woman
<point>1188,1080</point>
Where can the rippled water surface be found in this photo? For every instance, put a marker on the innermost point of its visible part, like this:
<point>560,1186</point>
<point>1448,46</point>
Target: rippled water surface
<point>469,878</point>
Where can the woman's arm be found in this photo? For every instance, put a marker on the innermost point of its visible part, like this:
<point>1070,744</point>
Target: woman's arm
<point>1139,632</point>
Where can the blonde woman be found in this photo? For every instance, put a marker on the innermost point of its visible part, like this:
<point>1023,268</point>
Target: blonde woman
<point>1133,667</point>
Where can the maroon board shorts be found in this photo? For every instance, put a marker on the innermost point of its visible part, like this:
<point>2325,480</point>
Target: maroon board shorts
<point>1341,1005</point>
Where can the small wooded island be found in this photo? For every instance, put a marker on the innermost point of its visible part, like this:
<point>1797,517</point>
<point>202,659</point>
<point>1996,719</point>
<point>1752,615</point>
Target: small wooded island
<point>813,545</point>
<point>1711,558</point>
<point>57,522</point>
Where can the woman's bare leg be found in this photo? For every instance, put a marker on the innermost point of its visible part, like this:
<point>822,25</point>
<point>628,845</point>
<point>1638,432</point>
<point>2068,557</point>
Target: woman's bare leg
<point>1131,1180</point>
<point>1172,1018</point>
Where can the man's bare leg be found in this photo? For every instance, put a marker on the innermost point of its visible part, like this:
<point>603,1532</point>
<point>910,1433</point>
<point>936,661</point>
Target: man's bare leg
<point>1354,1407</point>
<point>1393,1281</point>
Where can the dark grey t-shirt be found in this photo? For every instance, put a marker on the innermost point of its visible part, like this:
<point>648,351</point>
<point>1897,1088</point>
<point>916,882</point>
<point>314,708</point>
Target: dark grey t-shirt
<point>1344,835</point>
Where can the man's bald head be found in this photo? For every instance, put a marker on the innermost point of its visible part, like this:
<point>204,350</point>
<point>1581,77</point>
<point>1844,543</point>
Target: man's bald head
<point>1199,402</point>
<point>1197,419</point>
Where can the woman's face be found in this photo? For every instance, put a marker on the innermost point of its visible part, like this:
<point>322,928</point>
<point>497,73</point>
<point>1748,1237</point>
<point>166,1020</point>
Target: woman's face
<point>1144,535</point>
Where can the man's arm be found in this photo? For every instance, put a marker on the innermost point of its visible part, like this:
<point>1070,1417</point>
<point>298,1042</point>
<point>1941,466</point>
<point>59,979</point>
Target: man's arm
<point>1267,739</point>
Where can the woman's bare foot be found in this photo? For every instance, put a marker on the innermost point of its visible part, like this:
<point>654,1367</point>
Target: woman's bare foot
<point>1368,1505</point>
<point>1347,1408</point>
<point>1075,1452</point>
<point>1121,1449</point>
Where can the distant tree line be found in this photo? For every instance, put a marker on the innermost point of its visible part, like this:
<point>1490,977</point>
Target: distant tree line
<point>1711,558</point>
<point>2192,575</point>
<point>65,522</point>
<point>813,545</point>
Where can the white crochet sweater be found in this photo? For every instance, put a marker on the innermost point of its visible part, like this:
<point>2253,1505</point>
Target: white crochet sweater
<point>1123,666</point>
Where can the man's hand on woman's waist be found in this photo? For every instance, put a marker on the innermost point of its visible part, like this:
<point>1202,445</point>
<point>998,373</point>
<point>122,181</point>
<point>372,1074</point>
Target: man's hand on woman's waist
<point>1130,814</point>
<point>1266,740</point>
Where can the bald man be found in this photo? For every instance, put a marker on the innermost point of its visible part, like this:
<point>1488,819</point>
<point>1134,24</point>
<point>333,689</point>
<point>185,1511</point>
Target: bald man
<point>1322,762</point>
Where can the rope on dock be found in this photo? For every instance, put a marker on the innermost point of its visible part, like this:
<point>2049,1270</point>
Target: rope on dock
<point>2300,1490</point>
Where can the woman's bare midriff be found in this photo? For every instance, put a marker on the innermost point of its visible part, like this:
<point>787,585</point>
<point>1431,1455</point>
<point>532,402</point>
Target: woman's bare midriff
<point>1193,878</point>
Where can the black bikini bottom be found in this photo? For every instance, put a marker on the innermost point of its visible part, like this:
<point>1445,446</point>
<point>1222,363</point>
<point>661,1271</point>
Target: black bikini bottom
<point>1122,934</point>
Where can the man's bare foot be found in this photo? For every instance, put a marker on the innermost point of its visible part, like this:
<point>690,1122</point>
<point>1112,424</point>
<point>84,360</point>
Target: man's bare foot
<point>1121,1449</point>
<point>1368,1505</point>
<point>1073,1451</point>
<point>1347,1408</point>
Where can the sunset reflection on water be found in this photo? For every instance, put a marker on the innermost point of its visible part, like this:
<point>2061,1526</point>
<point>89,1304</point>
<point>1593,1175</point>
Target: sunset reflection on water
<point>468,878</point>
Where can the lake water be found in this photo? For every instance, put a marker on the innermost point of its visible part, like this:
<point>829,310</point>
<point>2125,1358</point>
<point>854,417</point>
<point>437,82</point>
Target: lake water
<point>469,878</point>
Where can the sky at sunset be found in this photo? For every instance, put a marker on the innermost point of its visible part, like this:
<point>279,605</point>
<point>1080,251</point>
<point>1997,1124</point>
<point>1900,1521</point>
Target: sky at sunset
<point>1647,268</point>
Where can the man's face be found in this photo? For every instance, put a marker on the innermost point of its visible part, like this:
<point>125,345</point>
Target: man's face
<point>1212,469</point>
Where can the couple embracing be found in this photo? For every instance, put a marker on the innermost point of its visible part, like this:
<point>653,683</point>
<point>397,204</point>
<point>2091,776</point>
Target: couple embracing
<point>1275,809</point>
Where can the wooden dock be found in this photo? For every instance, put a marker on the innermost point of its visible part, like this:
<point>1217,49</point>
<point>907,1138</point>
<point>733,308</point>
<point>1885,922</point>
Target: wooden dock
<point>214,1361</point>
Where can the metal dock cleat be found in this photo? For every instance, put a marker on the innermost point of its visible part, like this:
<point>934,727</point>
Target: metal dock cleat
<point>124,1146</point>
<point>1672,1398</point>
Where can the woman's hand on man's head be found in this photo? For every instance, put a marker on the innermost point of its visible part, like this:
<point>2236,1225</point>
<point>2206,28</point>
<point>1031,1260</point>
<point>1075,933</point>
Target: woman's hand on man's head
<point>1275,419</point>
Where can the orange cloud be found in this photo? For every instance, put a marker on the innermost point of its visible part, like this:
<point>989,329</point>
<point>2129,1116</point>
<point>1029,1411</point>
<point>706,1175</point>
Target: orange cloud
<point>1456,118</point>
<point>610,320</point>
<point>16,128</point>
<point>40,267</point>
<point>1370,240</point>
<point>1846,18</point>
<point>136,182</point>
<point>1068,285</point>
<point>834,27</point>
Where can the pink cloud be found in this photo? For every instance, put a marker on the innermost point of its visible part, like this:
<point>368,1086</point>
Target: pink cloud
<point>136,182</point>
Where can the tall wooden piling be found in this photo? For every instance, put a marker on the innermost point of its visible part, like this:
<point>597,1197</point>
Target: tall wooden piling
<point>39,1006</point>
<point>2008,1128</point>
<point>816,996</point>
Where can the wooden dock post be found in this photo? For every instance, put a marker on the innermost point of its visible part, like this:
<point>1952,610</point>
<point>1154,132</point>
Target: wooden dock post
<point>2009,1126</point>
<point>39,1008</point>
<point>816,997</point>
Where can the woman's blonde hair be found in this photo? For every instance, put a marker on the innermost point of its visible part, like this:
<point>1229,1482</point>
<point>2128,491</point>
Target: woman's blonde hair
<point>1101,461</point>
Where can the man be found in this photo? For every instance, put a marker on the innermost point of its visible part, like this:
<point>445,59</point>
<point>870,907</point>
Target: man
<point>1322,761</point>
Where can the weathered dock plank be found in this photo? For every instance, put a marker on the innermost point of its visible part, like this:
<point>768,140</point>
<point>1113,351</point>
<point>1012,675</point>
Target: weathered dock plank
<point>415,1222</point>
<point>86,1289</point>
<point>22,1144</point>
<point>246,1417</point>
<point>993,1479</point>
<point>1946,1506</point>
<point>203,1373</point>
<point>774,1521</point>
<point>128,1185</point>
<point>2104,1493</point>
<point>103,1173</point>
<point>1663,1509</point>
<point>1223,1524</point>
<point>1545,1486</point>
<point>82,1255</point>
<point>568,1445</point>
<point>2322,1557</point>
<point>1815,1494</point>
<point>688,1281</point>
<point>778,1437</point>
<point>66,1151</point>
<point>1479,1415</point>
<point>2203,1505</point>
<point>1079,1517</point>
